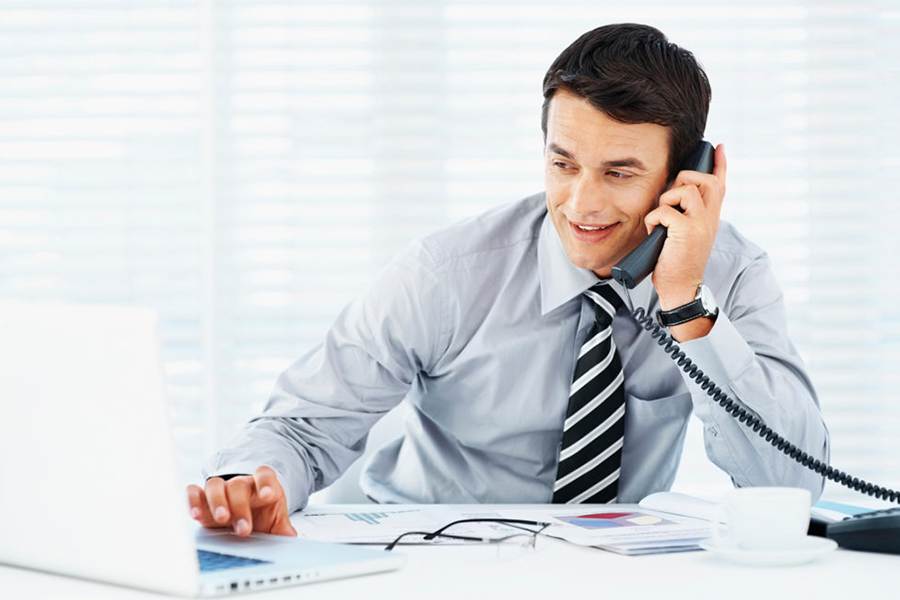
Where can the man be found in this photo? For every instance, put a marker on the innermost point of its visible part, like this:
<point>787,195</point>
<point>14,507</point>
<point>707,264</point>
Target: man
<point>528,379</point>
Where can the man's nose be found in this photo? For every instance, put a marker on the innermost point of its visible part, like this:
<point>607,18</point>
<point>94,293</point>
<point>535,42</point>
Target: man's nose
<point>587,197</point>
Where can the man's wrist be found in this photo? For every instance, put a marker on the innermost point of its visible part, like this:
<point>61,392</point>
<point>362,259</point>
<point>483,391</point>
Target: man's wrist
<point>678,297</point>
<point>696,328</point>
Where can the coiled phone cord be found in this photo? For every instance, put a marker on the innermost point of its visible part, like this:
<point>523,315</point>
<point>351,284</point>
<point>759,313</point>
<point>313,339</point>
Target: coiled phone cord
<point>675,352</point>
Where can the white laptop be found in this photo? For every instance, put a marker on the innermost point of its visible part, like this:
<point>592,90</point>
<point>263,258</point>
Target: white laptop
<point>86,456</point>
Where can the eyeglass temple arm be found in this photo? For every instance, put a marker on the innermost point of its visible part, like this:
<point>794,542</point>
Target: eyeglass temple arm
<point>429,536</point>
<point>541,524</point>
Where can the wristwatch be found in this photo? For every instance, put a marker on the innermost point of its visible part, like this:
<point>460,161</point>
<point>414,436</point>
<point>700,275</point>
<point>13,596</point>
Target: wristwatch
<point>703,305</point>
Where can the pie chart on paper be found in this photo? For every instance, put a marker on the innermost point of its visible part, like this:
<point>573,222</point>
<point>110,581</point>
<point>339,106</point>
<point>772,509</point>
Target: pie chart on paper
<point>614,519</point>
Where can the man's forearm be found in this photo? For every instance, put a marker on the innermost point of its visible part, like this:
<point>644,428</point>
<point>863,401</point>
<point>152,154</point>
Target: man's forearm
<point>773,387</point>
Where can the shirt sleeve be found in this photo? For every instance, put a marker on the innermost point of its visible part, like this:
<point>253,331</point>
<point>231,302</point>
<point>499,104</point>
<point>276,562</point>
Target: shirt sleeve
<point>749,355</point>
<point>317,419</point>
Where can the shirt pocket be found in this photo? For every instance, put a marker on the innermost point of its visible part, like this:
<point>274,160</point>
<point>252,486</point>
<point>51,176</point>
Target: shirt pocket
<point>654,438</point>
<point>664,417</point>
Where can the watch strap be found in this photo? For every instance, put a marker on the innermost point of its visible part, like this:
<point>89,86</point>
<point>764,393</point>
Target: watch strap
<point>681,314</point>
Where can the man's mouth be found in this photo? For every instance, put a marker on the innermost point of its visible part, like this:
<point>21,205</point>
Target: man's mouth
<point>593,227</point>
<point>592,232</point>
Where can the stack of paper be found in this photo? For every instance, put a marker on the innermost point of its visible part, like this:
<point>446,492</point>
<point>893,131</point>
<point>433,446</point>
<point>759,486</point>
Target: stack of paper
<point>624,528</point>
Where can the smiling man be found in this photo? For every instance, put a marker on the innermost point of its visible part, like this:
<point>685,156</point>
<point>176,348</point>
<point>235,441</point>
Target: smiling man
<point>527,377</point>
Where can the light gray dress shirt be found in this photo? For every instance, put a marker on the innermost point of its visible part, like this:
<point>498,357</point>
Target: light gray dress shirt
<point>477,327</point>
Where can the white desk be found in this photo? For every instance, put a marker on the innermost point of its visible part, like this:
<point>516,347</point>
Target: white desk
<point>553,571</point>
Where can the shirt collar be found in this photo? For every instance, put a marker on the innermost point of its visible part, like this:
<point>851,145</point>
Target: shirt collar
<point>562,281</point>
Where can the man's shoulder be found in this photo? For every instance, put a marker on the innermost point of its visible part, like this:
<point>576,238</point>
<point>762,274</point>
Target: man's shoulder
<point>509,227</point>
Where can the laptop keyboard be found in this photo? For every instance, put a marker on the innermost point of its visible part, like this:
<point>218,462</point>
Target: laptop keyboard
<point>214,561</point>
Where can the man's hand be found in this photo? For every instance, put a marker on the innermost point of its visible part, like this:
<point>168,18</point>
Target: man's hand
<point>247,503</point>
<point>691,234</point>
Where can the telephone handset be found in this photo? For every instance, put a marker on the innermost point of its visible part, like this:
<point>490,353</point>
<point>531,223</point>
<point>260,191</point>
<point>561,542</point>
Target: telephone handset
<point>879,531</point>
<point>640,262</point>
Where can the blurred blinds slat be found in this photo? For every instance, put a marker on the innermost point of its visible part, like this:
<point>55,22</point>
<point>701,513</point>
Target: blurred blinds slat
<point>248,166</point>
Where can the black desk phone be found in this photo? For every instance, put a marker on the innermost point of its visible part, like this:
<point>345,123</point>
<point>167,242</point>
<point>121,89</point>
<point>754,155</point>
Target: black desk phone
<point>876,531</point>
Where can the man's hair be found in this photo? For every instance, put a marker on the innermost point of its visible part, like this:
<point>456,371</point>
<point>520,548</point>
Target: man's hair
<point>634,74</point>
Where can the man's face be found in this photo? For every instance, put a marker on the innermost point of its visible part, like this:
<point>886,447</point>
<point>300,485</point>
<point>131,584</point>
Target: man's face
<point>598,171</point>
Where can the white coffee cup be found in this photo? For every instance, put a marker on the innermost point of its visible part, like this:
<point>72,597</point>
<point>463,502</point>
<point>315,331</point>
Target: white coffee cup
<point>764,518</point>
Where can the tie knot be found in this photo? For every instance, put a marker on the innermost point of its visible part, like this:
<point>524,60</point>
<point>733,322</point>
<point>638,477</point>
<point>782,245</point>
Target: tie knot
<point>605,301</point>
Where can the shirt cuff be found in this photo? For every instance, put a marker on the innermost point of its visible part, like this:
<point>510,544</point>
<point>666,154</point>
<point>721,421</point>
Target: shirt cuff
<point>722,354</point>
<point>231,468</point>
<point>227,476</point>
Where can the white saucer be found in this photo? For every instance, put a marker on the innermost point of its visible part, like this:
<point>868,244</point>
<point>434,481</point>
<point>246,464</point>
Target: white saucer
<point>806,550</point>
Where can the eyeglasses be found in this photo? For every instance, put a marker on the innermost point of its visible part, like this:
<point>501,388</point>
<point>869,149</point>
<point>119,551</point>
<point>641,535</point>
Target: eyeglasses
<point>514,523</point>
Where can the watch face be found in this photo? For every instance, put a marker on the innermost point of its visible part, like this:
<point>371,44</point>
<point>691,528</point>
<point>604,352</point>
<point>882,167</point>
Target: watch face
<point>707,299</point>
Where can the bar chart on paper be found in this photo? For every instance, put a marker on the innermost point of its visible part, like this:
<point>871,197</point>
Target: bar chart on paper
<point>372,518</point>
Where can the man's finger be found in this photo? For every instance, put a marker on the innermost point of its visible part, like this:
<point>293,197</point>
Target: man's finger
<point>663,215</point>
<point>217,500</point>
<point>196,501</point>
<point>268,488</point>
<point>199,507</point>
<point>687,197</point>
<point>283,525</point>
<point>708,186</point>
<point>721,168</point>
<point>271,496</point>
<point>238,491</point>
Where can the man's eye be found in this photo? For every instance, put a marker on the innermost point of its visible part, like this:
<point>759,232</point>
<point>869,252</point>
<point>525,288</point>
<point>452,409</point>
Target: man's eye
<point>619,174</point>
<point>560,165</point>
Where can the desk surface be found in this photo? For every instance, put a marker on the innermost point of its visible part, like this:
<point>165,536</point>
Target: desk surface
<point>553,567</point>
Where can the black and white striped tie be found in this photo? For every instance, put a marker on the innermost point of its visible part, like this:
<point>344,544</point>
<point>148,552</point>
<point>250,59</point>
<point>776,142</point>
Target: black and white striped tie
<point>594,429</point>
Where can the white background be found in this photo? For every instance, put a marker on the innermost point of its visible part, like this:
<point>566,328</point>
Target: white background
<point>246,167</point>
